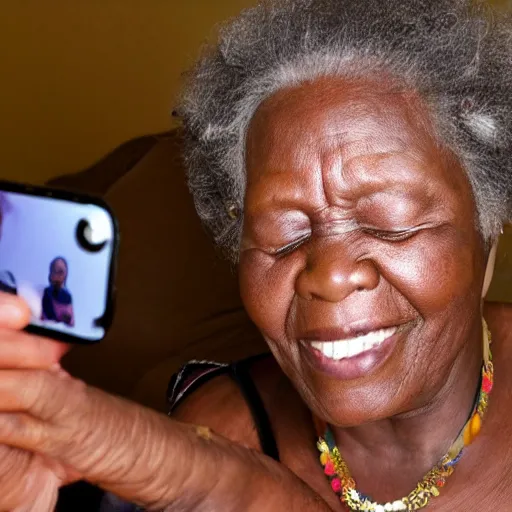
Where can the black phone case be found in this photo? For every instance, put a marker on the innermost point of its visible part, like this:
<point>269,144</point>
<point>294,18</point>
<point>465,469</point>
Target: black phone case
<point>58,250</point>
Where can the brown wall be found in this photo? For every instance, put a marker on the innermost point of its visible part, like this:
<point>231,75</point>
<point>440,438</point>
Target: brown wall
<point>79,77</point>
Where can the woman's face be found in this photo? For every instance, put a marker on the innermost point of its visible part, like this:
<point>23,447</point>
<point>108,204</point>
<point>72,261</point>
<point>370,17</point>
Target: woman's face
<point>58,273</point>
<point>360,260</point>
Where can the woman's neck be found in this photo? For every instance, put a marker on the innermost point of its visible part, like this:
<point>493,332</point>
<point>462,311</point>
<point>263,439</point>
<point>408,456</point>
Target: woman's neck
<point>408,445</point>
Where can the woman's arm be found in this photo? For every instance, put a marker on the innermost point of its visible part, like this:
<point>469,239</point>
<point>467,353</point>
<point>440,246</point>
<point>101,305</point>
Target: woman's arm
<point>138,454</point>
<point>55,430</point>
<point>209,472</point>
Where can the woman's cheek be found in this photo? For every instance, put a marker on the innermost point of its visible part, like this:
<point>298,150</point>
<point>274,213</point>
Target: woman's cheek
<point>267,288</point>
<point>433,272</point>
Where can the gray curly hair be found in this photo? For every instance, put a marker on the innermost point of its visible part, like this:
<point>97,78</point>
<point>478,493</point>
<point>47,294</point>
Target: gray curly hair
<point>456,54</point>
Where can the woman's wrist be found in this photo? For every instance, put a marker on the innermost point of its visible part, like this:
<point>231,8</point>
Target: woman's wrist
<point>176,466</point>
<point>213,473</point>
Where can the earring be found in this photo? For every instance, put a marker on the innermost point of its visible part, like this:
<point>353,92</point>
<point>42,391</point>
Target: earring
<point>487,340</point>
<point>232,210</point>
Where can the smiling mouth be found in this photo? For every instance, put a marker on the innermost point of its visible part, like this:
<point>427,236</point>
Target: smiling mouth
<point>352,347</point>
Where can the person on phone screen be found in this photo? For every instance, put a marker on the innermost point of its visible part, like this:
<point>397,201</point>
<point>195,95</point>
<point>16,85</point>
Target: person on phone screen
<point>57,301</point>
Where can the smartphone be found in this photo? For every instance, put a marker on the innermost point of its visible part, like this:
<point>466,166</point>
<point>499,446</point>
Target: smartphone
<point>58,251</point>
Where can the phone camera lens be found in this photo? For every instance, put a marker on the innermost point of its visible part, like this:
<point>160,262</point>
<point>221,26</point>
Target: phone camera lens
<point>86,237</point>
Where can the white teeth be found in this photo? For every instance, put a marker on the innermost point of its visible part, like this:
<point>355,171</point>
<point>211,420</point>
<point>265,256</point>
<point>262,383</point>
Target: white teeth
<point>353,346</point>
<point>329,351</point>
<point>340,350</point>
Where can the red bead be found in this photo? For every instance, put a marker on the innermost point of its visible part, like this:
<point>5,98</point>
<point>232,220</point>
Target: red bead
<point>486,384</point>
<point>336,484</point>
<point>329,468</point>
<point>440,483</point>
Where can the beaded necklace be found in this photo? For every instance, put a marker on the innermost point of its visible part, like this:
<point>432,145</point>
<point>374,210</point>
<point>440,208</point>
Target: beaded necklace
<point>344,485</point>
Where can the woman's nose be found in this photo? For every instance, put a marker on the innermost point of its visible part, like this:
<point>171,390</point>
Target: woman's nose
<point>331,273</point>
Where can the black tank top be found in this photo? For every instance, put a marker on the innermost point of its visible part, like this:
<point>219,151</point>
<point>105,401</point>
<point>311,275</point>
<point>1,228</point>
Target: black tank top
<point>196,373</point>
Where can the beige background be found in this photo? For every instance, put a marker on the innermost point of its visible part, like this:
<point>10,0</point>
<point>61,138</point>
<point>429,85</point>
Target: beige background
<point>79,77</point>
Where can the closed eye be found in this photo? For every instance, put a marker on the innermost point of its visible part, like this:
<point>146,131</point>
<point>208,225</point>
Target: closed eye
<point>392,236</point>
<point>291,246</point>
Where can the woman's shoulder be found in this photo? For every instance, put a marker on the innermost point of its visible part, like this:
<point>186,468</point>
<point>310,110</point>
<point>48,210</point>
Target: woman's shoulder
<point>216,395</point>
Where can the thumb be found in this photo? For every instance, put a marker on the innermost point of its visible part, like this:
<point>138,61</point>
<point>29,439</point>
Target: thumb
<point>14,312</point>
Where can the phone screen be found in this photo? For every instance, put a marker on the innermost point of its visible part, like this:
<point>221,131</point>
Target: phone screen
<point>57,252</point>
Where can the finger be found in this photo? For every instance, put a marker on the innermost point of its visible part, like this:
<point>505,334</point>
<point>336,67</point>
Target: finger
<point>14,311</point>
<point>27,436</point>
<point>21,350</point>
<point>25,484</point>
<point>14,465</point>
<point>43,497</point>
<point>52,444</point>
<point>41,488</point>
<point>41,393</point>
<point>24,432</point>
<point>31,477</point>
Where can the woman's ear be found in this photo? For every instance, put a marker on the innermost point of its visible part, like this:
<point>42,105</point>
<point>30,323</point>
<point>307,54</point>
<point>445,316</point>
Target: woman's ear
<point>489,270</point>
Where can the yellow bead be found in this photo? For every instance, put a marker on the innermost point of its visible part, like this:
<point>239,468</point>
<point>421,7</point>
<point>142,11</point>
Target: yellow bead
<point>472,429</point>
<point>476,425</point>
<point>324,457</point>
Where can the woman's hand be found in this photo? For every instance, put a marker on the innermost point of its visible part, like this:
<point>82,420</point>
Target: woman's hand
<point>28,481</point>
<point>55,430</point>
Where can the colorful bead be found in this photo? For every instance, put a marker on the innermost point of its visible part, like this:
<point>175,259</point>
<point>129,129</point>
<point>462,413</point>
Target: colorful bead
<point>344,485</point>
<point>336,485</point>
<point>329,468</point>
<point>476,425</point>
<point>472,429</point>
<point>486,384</point>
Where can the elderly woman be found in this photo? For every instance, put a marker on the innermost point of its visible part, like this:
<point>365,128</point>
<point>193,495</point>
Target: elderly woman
<point>353,158</point>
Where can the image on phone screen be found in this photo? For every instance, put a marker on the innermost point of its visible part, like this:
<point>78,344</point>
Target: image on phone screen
<point>57,255</point>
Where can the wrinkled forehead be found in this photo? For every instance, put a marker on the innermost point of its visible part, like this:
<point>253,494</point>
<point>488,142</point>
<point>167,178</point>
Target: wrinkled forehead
<point>345,124</point>
<point>354,116</point>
